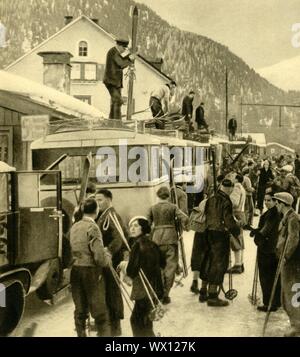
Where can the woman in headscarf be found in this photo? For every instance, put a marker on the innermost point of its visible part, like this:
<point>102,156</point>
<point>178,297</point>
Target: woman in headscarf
<point>146,256</point>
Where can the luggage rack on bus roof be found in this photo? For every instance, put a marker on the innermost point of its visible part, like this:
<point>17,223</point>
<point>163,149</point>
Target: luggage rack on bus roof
<point>69,125</point>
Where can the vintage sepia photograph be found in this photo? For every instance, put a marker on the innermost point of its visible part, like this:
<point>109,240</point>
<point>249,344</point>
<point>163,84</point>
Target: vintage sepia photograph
<point>149,169</point>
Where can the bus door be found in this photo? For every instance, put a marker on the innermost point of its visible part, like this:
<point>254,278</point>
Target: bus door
<point>37,231</point>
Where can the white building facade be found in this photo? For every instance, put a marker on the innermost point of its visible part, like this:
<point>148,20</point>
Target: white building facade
<point>89,43</point>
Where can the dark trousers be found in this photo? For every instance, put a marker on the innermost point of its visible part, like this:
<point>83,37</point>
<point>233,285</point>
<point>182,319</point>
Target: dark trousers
<point>116,102</point>
<point>88,293</point>
<point>218,256</point>
<point>157,112</point>
<point>141,325</point>
<point>170,253</point>
<point>156,107</point>
<point>260,197</point>
<point>114,302</point>
<point>200,254</point>
<point>249,210</point>
<point>267,266</point>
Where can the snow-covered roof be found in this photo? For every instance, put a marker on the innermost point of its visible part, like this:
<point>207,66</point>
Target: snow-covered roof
<point>4,167</point>
<point>47,96</point>
<point>99,28</point>
<point>282,146</point>
<point>258,138</point>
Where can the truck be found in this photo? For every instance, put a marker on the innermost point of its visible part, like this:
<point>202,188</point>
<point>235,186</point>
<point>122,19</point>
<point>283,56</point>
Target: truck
<point>32,243</point>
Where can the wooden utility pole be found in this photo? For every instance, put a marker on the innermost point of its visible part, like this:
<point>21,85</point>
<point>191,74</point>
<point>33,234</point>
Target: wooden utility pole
<point>226,100</point>
<point>135,17</point>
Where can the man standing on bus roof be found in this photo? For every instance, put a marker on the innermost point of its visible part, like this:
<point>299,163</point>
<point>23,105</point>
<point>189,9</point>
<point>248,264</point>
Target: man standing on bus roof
<point>160,101</point>
<point>187,109</point>
<point>200,117</point>
<point>113,242</point>
<point>117,59</point>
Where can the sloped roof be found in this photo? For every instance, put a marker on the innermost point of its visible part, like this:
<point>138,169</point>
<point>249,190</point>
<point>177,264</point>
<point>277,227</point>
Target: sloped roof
<point>47,96</point>
<point>98,27</point>
<point>282,146</point>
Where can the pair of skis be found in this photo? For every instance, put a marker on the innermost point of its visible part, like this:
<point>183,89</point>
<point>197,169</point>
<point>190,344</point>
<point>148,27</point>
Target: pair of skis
<point>178,226</point>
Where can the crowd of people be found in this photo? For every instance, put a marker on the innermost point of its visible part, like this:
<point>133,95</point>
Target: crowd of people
<point>104,249</point>
<point>270,189</point>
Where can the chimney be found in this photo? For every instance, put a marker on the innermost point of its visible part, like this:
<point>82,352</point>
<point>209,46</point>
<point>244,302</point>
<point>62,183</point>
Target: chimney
<point>57,70</point>
<point>96,21</point>
<point>68,19</point>
<point>157,63</point>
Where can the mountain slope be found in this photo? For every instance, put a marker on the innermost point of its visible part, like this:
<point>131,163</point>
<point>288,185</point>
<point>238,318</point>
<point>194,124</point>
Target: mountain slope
<point>283,74</point>
<point>194,61</point>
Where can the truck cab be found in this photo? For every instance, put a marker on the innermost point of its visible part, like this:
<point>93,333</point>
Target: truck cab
<point>31,241</point>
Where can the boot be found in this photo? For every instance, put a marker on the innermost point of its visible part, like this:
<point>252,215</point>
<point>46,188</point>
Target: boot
<point>236,269</point>
<point>81,330</point>
<point>203,295</point>
<point>115,326</point>
<point>166,300</point>
<point>293,333</point>
<point>194,288</point>
<point>213,300</point>
<point>103,327</point>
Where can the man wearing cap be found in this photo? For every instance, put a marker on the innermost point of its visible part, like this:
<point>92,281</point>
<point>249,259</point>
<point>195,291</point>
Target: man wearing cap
<point>220,223</point>
<point>290,274</point>
<point>187,108</point>
<point>117,59</point>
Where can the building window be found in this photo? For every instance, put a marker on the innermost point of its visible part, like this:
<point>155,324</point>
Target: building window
<point>84,98</point>
<point>6,148</point>
<point>76,71</point>
<point>83,49</point>
<point>84,71</point>
<point>90,71</point>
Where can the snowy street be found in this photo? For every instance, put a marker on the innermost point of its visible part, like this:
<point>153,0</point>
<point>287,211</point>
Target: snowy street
<point>185,316</point>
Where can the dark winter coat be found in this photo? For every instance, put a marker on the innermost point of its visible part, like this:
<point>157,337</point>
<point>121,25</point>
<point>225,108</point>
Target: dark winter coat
<point>266,236</point>
<point>187,107</point>
<point>113,241</point>
<point>219,214</point>
<point>115,64</point>
<point>200,120</point>
<point>145,255</point>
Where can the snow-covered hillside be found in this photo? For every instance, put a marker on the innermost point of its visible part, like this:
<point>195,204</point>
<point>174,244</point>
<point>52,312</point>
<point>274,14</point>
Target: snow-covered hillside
<point>284,74</point>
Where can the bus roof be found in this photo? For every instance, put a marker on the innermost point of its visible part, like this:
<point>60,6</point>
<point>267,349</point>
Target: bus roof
<point>93,138</point>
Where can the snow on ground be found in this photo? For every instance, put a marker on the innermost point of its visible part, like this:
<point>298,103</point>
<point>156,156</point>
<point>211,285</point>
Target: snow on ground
<point>185,316</point>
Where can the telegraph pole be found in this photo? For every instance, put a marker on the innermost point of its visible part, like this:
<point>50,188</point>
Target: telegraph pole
<point>226,100</point>
<point>135,17</point>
